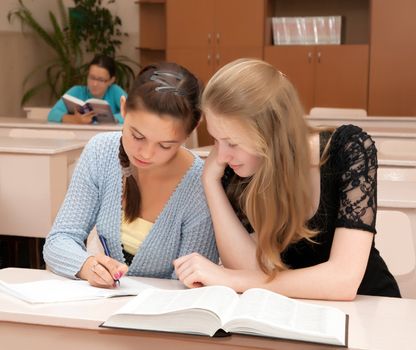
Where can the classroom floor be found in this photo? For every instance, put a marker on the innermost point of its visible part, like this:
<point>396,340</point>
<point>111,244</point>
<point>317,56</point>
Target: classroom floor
<point>22,252</point>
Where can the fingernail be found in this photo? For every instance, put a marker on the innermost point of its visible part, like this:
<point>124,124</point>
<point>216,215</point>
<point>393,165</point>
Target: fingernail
<point>117,275</point>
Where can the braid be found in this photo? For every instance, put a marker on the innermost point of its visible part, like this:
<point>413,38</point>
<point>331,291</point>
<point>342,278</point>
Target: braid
<point>131,192</point>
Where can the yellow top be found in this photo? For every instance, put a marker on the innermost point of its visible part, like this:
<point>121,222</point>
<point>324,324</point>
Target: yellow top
<point>133,234</point>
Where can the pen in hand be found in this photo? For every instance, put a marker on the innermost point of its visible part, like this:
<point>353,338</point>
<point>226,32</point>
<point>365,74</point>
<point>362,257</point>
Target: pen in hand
<point>107,252</point>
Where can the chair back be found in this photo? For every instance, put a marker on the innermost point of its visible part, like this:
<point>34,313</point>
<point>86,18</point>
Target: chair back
<point>396,241</point>
<point>337,112</point>
<point>37,113</point>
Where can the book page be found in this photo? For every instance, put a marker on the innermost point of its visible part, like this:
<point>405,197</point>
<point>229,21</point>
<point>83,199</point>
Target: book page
<point>72,103</point>
<point>275,315</point>
<point>103,111</point>
<point>57,290</point>
<point>259,304</point>
<point>216,299</point>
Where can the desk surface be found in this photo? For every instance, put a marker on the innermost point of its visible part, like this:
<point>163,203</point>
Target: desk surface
<point>375,323</point>
<point>401,161</point>
<point>13,122</point>
<point>369,118</point>
<point>38,146</point>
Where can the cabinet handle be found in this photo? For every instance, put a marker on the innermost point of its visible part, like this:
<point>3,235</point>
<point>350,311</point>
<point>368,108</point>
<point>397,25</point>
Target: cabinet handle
<point>217,58</point>
<point>209,38</point>
<point>209,58</point>
<point>319,56</point>
<point>218,38</point>
<point>309,57</point>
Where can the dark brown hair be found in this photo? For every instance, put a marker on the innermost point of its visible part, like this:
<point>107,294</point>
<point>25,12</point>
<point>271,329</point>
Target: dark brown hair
<point>105,62</point>
<point>163,89</point>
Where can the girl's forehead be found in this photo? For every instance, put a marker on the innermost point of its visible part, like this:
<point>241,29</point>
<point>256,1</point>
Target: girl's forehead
<point>97,70</point>
<point>226,126</point>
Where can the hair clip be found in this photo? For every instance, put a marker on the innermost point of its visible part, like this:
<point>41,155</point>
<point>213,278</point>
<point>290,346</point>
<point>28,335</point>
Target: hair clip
<point>177,76</point>
<point>170,89</point>
<point>166,86</point>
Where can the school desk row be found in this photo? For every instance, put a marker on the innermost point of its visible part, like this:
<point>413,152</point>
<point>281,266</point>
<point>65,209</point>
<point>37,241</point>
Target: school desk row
<point>24,127</point>
<point>37,159</point>
<point>374,323</point>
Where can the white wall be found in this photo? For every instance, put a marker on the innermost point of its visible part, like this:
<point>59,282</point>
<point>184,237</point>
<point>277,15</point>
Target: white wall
<point>20,54</point>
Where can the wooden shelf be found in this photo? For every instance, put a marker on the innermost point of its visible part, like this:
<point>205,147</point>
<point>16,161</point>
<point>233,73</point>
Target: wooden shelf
<point>355,16</point>
<point>152,31</point>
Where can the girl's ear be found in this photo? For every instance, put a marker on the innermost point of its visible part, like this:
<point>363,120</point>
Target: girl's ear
<point>123,106</point>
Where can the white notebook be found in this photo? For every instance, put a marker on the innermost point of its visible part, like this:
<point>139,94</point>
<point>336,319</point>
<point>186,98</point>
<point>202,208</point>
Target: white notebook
<point>57,290</point>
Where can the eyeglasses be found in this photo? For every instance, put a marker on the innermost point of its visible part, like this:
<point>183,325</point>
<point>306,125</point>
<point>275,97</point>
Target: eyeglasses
<point>98,80</point>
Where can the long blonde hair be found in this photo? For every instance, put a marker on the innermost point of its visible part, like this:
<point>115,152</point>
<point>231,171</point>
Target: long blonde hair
<point>277,200</point>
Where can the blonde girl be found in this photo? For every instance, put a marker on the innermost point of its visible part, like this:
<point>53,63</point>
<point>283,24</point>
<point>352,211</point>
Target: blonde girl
<point>293,208</point>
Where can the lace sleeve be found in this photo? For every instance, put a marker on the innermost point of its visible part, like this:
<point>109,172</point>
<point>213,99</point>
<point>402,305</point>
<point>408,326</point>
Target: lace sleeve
<point>356,158</point>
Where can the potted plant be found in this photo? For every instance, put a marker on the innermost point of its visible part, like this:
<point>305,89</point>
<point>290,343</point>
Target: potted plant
<point>71,39</point>
<point>100,32</point>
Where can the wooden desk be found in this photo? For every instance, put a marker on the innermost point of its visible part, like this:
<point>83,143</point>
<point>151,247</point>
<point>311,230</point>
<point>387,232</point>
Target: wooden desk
<point>400,162</point>
<point>375,323</point>
<point>82,132</point>
<point>384,123</point>
<point>34,176</point>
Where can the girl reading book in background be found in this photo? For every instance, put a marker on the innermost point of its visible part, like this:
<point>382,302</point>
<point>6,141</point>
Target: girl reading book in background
<point>294,208</point>
<point>100,85</point>
<point>140,188</point>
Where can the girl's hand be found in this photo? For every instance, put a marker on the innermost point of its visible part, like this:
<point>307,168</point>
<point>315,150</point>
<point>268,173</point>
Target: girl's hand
<point>78,118</point>
<point>85,118</point>
<point>213,170</point>
<point>102,271</point>
<point>194,271</point>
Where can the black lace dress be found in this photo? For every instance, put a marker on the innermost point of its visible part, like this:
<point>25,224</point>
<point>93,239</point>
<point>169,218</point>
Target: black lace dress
<point>348,199</point>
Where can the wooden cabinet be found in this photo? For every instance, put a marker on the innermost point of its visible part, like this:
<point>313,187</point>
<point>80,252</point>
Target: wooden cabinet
<point>152,31</point>
<point>325,75</point>
<point>393,58</point>
<point>204,35</point>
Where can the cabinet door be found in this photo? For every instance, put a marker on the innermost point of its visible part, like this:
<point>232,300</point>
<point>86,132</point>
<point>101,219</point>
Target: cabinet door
<point>297,63</point>
<point>198,61</point>
<point>341,78</point>
<point>225,55</point>
<point>239,23</point>
<point>189,23</point>
<point>393,58</point>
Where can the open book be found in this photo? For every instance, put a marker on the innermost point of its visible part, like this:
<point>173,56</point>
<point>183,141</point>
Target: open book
<point>209,309</point>
<point>57,290</point>
<point>102,109</point>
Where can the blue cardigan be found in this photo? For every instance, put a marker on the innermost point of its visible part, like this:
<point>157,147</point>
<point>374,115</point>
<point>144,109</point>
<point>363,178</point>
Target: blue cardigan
<point>112,96</point>
<point>94,199</point>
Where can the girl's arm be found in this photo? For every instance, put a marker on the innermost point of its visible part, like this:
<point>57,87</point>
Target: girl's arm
<point>336,279</point>
<point>58,112</point>
<point>64,250</point>
<point>232,238</point>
